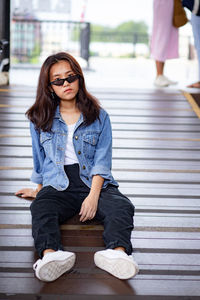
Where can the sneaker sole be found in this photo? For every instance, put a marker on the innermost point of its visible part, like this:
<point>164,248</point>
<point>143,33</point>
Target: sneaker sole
<point>54,269</point>
<point>160,86</point>
<point>120,268</point>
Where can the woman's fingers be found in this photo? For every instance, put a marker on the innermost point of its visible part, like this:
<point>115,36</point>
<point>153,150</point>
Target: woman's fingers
<point>86,214</point>
<point>26,193</point>
<point>88,209</point>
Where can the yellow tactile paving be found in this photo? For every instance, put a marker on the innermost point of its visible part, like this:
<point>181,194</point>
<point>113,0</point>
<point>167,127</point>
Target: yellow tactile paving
<point>193,103</point>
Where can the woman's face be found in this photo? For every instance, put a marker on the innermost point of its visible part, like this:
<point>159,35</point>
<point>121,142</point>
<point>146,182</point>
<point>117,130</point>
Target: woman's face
<point>67,91</point>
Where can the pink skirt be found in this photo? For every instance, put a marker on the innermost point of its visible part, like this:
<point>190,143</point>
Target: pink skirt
<point>164,39</point>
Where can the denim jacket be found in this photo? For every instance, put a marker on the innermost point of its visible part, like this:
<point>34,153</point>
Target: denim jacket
<point>92,144</point>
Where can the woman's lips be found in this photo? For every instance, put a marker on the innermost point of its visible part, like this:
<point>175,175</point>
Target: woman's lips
<point>67,90</point>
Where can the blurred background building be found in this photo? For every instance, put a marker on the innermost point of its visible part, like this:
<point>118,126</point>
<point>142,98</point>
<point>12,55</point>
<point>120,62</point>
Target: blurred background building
<point>95,32</point>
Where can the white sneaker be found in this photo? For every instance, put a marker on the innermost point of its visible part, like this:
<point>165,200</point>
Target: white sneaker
<point>161,81</point>
<point>171,82</point>
<point>53,265</point>
<point>117,263</point>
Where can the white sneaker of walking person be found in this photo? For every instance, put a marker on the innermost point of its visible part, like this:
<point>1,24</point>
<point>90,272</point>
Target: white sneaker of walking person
<point>162,81</point>
<point>171,82</point>
<point>53,265</point>
<point>117,263</point>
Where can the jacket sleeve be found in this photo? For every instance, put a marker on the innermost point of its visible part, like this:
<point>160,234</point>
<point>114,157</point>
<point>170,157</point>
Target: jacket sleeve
<point>103,152</point>
<point>38,156</point>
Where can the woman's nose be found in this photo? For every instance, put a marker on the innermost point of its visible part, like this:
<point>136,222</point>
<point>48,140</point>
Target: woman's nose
<point>65,83</point>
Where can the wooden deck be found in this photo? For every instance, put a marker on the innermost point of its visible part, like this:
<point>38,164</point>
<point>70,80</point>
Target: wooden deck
<point>156,159</point>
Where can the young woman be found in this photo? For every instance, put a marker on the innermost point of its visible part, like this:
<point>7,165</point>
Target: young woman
<point>72,152</point>
<point>164,39</point>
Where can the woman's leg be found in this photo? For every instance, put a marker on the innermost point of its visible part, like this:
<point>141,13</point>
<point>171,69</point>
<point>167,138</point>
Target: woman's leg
<point>160,67</point>
<point>49,210</point>
<point>116,212</point>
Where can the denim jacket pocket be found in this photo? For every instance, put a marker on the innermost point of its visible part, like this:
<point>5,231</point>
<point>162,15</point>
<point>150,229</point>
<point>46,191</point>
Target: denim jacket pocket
<point>45,140</point>
<point>89,143</point>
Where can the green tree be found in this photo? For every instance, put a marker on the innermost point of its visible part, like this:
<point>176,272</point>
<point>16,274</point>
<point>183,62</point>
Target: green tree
<point>129,32</point>
<point>131,26</point>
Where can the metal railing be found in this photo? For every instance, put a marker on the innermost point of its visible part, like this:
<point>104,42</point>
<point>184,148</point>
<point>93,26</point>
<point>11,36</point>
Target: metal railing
<point>118,43</point>
<point>131,44</point>
<point>33,40</point>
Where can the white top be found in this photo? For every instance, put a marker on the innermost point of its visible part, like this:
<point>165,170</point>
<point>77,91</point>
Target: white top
<point>70,155</point>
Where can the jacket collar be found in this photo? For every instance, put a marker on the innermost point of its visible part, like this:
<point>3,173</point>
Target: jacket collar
<point>58,116</point>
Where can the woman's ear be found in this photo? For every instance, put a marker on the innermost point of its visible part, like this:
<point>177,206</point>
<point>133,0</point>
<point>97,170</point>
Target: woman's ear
<point>50,88</point>
<point>51,92</point>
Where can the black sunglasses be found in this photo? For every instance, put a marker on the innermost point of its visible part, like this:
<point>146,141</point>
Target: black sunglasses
<point>60,82</point>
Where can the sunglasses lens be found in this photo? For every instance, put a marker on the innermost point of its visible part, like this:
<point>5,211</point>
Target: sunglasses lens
<point>71,79</point>
<point>58,82</point>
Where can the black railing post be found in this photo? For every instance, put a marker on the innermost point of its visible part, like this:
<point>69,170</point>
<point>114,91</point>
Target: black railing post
<point>135,40</point>
<point>5,38</point>
<point>85,42</point>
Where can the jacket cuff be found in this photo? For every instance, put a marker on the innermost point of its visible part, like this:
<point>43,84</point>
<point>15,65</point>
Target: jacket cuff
<point>102,171</point>
<point>36,177</point>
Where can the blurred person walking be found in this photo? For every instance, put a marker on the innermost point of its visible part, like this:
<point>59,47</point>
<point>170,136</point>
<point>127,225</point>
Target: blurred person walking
<point>195,21</point>
<point>164,40</point>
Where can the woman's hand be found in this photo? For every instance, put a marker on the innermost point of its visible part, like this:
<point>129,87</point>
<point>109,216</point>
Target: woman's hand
<point>89,205</point>
<point>88,208</point>
<point>27,193</point>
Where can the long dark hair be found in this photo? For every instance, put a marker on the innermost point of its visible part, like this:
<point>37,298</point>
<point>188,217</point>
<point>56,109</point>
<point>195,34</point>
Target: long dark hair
<point>41,113</point>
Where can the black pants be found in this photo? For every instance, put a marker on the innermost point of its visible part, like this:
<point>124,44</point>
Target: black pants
<point>52,208</point>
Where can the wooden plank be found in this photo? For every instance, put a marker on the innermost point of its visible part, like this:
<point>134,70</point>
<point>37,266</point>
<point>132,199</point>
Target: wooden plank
<point>13,117</point>
<point>109,286</point>
<point>93,238</point>
<point>9,104</point>
<point>136,234</point>
<point>119,164</point>
<point>165,154</point>
<point>153,113</point>
<point>117,134</point>
<point>12,124</point>
<point>123,143</point>
<point>123,119</point>
<point>142,220</point>
<point>139,190</point>
<point>15,151</point>
<point>144,104</point>
<point>148,205</point>
<point>142,204</point>
<point>174,261</point>
<point>122,126</point>
<point>130,176</point>
<point>117,112</point>
<point>134,154</point>
<point>155,144</point>
<point>152,120</point>
<point>148,127</point>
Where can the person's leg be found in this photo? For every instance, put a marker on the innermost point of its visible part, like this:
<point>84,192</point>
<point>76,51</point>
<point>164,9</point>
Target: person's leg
<point>161,80</point>
<point>195,21</point>
<point>52,207</point>
<point>49,209</point>
<point>160,67</point>
<point>116,212</point>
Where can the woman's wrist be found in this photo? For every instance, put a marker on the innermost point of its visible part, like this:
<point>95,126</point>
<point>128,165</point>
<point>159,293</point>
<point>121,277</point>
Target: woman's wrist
<point>39,187</point>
